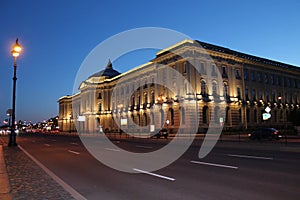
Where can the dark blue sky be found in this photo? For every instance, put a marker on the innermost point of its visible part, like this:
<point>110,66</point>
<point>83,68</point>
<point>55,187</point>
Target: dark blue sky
<point>58,35</point>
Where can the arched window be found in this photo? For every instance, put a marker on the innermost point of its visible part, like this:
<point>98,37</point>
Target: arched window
<point>203,88</point>
<point>214,88</point>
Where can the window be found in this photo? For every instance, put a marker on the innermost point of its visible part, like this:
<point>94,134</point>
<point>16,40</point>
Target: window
<point>247,94</point>
<point>99,95</point>
<point>203,88</point>
<point>260,95</point>
<point>246,74</point>
<point>139,100</point>
<point>279,80</point>
<point>239,93</point>
<point>237,74</point>
<point>145,98</point>
<point>253,94</point>
<point>224,72</point>
<point>259,76</point>
<point>289,82</point>
<point>99,107</point>
<point>272,79</point>
<point>152,97</point>
<point>152,81</point>
<point>213,70</point>
<point>266,78</point>
<point>132,100</point>
<point>252,76</point>
<point>202,68</point>
<point>214,89</point>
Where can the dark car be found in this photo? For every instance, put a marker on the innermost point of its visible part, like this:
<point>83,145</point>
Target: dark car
<point>161,133</point>
<point>265,133</point>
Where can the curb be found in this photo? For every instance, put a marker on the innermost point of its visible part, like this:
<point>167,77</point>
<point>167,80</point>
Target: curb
<point>5,189</point>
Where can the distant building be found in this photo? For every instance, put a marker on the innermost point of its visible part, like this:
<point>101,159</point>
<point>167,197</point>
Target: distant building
<point>245,84</point>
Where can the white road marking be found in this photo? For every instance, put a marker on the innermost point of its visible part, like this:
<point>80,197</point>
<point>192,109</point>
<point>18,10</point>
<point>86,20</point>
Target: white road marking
<point>67,187</point>
<point>145,147</point>
<point>153,174</point>
<point>247,156</point>
<point>77,153</point>
<point>109,149</point>
<point>213,164</point>
<point>74,143</point>
<point>53,140</point>
<point>48,145</point>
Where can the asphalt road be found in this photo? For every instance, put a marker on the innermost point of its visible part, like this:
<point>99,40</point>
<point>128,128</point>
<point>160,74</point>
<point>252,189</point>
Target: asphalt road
<point>231,171</point>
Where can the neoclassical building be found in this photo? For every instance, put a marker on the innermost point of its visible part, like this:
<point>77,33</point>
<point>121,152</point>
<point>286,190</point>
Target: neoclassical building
<point>189,83</point>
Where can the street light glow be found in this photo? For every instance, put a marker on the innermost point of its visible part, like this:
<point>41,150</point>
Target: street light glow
<point>16,49</point>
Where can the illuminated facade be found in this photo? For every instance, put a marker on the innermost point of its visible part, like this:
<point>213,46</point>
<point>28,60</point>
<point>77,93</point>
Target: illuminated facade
<point>243,84</point>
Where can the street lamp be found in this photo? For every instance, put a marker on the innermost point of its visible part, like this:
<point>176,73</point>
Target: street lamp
<point>15,53</point>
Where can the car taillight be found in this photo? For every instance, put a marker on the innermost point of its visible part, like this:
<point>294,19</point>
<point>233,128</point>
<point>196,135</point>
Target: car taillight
<point>275,133</point>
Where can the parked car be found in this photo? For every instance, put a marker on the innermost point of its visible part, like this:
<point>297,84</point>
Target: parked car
<point>265,133</point>
<point>161,133</point>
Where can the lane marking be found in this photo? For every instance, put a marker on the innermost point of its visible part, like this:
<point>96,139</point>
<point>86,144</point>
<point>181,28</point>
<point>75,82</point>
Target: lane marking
<point>213,164</point>
<point>74,143</point>
<point>109,149</point>
<point>247,156</point>
<point>153,174</point>
<point>48,145</point>
<point>77,153</point>
<point>67,187</point>
<point>53,140</point>
<point>145,147</point>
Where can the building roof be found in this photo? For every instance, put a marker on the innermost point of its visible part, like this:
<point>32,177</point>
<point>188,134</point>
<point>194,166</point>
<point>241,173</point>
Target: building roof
<point>107,72</point>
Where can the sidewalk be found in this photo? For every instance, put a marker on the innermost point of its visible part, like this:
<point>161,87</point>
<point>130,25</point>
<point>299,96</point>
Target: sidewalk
<point>24,178</point>
<point>5,190</point>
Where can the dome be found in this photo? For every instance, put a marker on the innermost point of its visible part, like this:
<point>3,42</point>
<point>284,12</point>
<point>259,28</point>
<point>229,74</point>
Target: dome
<point>107,72</point>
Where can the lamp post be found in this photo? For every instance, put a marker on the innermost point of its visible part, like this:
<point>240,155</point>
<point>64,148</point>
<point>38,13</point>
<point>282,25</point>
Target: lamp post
<point>15,53</point>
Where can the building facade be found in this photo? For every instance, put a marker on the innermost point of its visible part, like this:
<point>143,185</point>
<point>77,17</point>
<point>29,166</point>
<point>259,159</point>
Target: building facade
<point>189,83</point>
